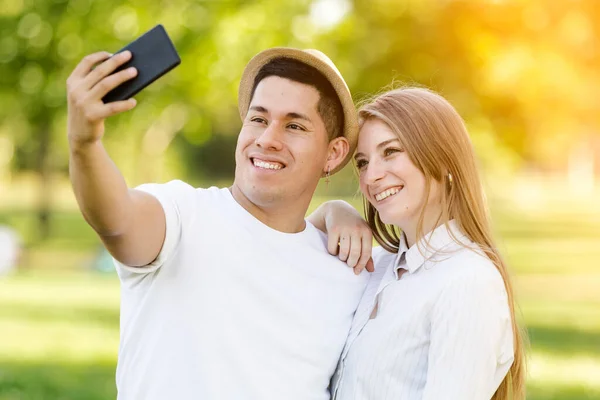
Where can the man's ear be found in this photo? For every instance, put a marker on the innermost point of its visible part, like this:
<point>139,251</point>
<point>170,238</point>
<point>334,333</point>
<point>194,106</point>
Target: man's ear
<point>337,152</point>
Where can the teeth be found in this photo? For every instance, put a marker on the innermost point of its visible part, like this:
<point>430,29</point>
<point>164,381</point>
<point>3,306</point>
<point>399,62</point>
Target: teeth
<point>386,193</point>
<point>266,165</point>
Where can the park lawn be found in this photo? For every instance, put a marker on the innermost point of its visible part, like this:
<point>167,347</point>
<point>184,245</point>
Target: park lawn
<point>59,325</point>
<point>60,338</point>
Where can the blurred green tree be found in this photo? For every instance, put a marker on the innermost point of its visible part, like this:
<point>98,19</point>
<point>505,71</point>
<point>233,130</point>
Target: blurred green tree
<point>43,41</point>
<point>523,74</point>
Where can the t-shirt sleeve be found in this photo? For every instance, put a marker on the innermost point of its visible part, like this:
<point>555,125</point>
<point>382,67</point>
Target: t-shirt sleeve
<point>177,201</point>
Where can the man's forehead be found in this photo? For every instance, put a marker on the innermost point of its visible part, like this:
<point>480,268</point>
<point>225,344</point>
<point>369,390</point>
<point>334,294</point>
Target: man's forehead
<point>274,93</point>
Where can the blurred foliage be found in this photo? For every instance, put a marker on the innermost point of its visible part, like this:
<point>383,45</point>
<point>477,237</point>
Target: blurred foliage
<point>522,73</point>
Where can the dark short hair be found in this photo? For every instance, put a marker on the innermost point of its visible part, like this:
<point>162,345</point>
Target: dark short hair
<point>329,106</point>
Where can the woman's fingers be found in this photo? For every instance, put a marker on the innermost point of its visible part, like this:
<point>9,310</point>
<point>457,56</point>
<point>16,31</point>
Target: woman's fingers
<point>354,247</point>
<point>365,253</point>
<point>344,245</point>
<point>333,242</point>
<point>355,250</point>
<point>370,265</point>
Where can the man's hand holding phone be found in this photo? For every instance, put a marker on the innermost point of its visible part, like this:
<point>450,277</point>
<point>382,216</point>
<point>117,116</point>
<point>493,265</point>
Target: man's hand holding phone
<point>89,82</point>
<point>102,85</point>
<point>130,223</point>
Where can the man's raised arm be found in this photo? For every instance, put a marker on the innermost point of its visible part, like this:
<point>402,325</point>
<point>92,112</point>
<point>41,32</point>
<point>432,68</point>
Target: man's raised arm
<point>129,222</point>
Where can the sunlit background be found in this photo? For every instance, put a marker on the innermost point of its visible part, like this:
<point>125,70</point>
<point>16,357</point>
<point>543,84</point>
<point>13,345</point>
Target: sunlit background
<point>525,75</point>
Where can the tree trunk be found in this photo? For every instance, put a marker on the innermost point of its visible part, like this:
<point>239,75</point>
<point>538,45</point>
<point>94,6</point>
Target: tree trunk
<point>43,170</point>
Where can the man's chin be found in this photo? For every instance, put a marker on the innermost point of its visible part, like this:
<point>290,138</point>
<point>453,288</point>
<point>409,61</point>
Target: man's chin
<point>263,195</point>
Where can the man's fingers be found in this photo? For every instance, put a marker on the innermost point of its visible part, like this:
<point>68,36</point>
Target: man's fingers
<point>106,68</point>
<point>108,110</point>
<point>112,81</point>
<point>85,66</point>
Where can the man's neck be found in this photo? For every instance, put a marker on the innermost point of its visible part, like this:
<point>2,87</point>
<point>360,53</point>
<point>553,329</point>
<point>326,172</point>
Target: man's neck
<point>287,218</point>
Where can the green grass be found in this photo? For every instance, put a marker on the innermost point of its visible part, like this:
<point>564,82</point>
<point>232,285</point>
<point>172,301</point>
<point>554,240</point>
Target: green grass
<point>60,336</point>
<point>59,323</point>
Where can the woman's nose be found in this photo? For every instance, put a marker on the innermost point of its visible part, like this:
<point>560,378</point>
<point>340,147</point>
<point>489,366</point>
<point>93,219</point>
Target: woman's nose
<point>375,172</point>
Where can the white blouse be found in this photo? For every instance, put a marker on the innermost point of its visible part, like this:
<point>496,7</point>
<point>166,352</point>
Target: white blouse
<point>440,331</point>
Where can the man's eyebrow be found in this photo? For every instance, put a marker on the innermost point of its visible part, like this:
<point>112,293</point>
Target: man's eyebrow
<point>259,109</point>
<point>295,115</point>
<point>380,145</point>
<point>290,115</point>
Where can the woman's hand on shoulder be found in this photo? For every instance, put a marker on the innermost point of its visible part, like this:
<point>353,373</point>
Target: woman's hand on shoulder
<point>348,235</point>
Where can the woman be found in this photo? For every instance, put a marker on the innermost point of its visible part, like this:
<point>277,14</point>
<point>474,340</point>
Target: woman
<point>437,320</point>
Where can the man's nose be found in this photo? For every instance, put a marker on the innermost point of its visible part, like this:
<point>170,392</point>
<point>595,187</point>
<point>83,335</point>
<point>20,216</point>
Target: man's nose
<point>270,138</point>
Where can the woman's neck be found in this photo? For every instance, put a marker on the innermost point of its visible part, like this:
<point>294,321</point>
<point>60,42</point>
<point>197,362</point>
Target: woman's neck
<point>430,223</point>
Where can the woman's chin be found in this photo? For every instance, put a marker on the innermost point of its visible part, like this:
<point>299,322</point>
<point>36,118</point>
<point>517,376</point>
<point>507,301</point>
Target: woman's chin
<point>388,219</point>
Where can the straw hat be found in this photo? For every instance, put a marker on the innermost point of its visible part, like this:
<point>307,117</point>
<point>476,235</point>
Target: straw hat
<point>325,66</point>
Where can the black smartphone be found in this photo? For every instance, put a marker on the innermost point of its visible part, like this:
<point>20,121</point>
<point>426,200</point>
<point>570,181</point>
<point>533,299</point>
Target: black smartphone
<point>153,55</point>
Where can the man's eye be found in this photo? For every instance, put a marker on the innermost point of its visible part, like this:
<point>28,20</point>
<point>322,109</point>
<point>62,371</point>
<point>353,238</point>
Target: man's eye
<point>296,127</point>
<point>260,120</point>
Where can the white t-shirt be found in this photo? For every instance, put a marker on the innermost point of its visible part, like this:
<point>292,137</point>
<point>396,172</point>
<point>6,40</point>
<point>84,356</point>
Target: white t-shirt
<point>232,309</point>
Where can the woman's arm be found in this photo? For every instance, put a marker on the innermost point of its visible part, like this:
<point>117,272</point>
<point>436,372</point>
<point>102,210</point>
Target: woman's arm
<point>348,235</point>
<point>471,347</point>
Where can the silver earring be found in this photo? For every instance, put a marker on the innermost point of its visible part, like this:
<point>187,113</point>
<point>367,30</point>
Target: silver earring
<point>327,174</point>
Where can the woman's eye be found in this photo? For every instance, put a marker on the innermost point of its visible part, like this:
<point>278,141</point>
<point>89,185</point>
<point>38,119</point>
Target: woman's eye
<point>360,164</point>
<point>391,150</point>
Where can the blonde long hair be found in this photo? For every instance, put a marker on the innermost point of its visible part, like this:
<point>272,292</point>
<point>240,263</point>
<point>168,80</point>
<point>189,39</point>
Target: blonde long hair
<point>436,140</point>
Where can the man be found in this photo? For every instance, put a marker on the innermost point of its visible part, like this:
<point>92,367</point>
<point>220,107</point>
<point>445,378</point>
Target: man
<point>226,293</point>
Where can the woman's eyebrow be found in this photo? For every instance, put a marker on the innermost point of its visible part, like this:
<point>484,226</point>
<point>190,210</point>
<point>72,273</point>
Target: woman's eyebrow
<point>380,145</point>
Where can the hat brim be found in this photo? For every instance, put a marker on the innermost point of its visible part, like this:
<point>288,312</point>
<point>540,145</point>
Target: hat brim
<point>350,130</point>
